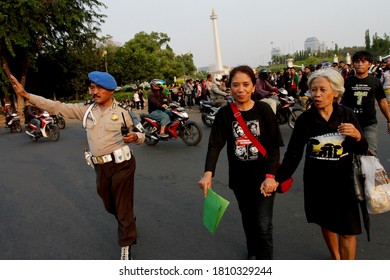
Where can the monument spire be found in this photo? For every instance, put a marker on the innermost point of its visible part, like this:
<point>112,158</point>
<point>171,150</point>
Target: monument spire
<point>218,64</point>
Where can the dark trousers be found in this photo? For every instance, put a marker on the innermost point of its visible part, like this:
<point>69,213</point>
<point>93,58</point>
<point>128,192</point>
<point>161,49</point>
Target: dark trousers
<point>115,186</point>
<point>37,124</point>
<point>189,101</point>
<point>256,213</point>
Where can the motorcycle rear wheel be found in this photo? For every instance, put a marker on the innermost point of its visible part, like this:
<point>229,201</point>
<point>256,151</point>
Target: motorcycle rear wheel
<point>17,128</point>
<point>191,133</point>
<point>293,117</point>
<point>61,122</point>
<point>53,132</point>
<point>149,131</point>
<point>206,121</point>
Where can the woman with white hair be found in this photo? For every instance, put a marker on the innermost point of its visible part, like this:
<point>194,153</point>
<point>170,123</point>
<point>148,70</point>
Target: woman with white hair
<point>331,134</point>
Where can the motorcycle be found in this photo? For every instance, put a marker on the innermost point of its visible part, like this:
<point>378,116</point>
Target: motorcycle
<point>208,111</point>
<point>13,124</point>
<point>307,101</point>
<point>287,110</point>
<point>59,121</point>
<point>180,126</point>
<point>47,130</point>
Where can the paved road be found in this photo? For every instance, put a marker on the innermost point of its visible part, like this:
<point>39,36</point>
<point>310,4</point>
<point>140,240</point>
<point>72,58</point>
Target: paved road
<point>49,208</point>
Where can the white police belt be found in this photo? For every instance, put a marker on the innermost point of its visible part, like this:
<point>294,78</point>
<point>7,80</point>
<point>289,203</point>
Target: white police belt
<point>119,155</point>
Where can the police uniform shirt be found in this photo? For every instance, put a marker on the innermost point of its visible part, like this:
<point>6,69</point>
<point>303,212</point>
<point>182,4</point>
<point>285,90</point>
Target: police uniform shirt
<point>103,128</point>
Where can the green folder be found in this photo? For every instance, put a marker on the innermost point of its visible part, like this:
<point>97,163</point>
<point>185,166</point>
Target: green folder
<point>214,208</point>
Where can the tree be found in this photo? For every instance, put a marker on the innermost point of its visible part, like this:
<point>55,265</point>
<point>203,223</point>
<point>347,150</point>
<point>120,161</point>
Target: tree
<point>61,72</point>
<point>367,40</point>
<point>186,64</point>
<point>149,56</point>
<point>380,46</point>
<point>33,27</point>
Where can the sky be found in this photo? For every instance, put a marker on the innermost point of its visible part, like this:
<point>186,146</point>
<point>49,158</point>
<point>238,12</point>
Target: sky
<point>247,29</point>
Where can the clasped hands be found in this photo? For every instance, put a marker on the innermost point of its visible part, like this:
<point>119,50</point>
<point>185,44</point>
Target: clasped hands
<point>268,186</point>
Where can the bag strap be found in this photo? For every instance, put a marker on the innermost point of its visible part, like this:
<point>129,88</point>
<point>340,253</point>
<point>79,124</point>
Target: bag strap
<point>247,132</point>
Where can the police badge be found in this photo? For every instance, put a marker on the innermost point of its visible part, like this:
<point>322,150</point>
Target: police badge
<point>114,117</point>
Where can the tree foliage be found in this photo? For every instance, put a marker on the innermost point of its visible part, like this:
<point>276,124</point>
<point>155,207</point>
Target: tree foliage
<point>377,47</point>
<point>149,56</point>
<point>29,28</point>
<point>367,40</point>
<point>56,42</point>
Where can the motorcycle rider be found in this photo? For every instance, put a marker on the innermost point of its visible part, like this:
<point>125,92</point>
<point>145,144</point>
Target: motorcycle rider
<point>32,115</point>
<point>8,114</point>
<point>385,79</point>
<point>264,91</point>
<point>157,106</point>
<point>217,92</point>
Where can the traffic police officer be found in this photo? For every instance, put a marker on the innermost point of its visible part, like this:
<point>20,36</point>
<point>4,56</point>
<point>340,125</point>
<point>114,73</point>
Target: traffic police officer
<point>105,122</point>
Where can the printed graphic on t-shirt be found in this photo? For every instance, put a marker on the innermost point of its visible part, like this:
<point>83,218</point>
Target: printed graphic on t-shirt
<point>243,147</point>
<point>327,146</point>
<point>360,91</point>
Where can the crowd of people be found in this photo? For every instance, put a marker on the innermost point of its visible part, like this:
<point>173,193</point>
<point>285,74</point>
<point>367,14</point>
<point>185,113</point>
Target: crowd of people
<point>342,122</point>
<point>294,80</point>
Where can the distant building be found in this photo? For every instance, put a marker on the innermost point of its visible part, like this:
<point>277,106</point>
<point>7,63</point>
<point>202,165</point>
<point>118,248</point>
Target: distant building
<point>276,52</point>
<point>212,69</point>
<point>314,45</point>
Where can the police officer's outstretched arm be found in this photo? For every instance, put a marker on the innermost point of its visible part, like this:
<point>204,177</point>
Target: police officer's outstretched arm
<point>18,88</point>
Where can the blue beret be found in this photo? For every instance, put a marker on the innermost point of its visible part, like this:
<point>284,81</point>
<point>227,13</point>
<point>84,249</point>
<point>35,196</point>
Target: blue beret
<point>103,79</point>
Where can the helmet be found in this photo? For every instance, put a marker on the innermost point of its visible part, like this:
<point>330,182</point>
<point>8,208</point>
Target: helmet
<point>263,73</point>
<point>217,78</point>
<point>283,91</point>
<point>157,83</point>
<point>264,70</point>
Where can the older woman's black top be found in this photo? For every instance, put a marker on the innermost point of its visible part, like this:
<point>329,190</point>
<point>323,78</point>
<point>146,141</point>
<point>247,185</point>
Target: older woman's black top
<point>328,175</point>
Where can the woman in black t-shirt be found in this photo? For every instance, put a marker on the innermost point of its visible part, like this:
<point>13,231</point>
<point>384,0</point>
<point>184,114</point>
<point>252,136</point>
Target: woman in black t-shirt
<point>247,167</point>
